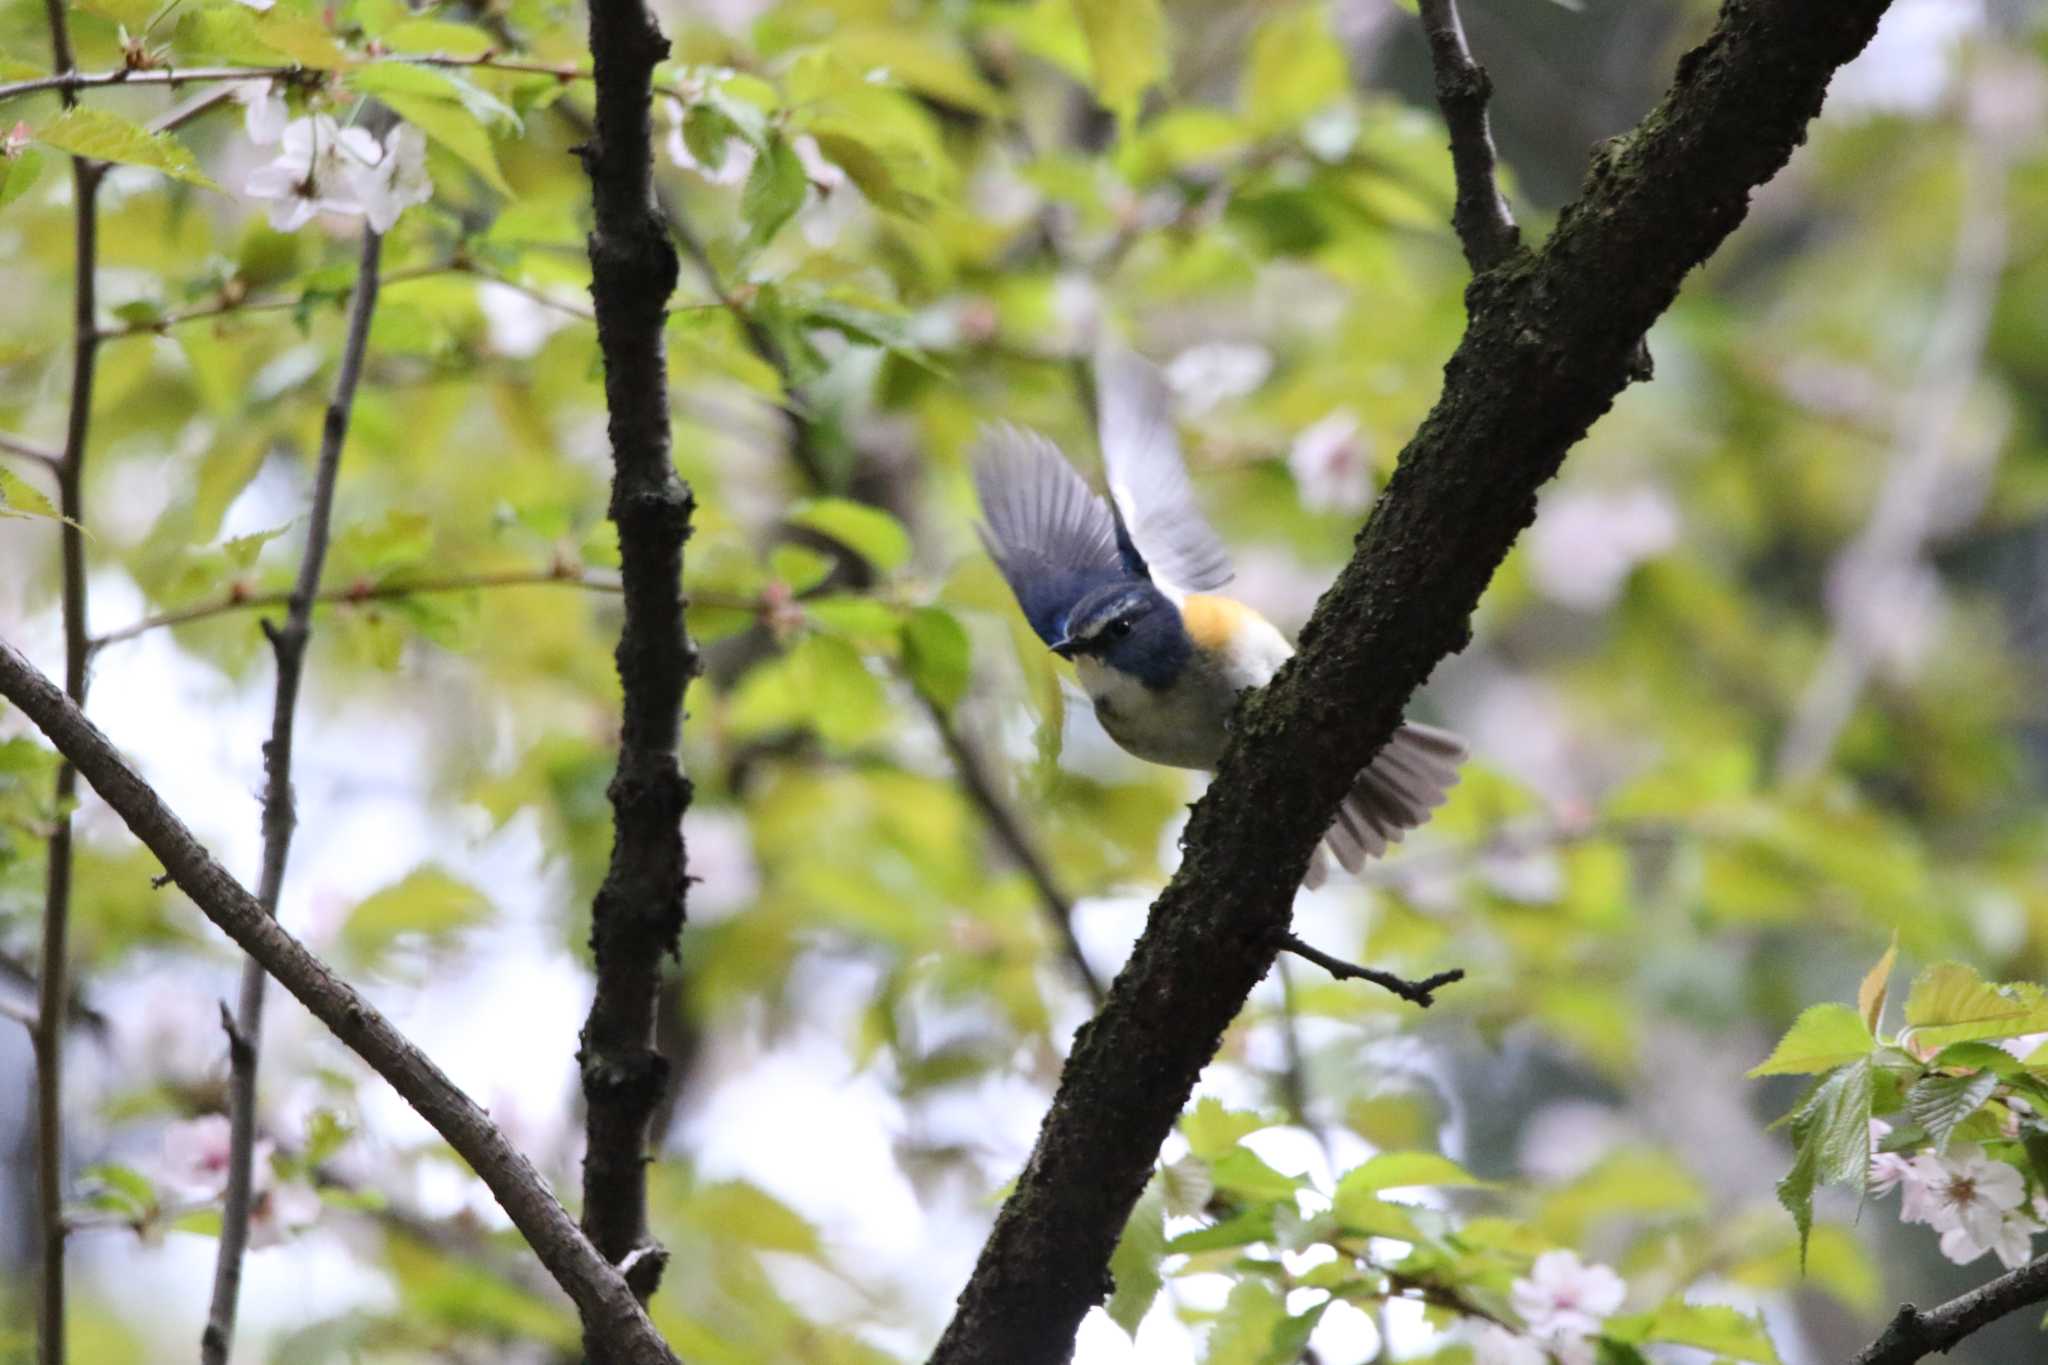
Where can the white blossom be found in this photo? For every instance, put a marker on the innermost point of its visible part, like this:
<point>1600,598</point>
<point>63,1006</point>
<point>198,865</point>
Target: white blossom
<point>1216,372</point>
<point>833,201</point>
<point>264,114</point>
<point>195,1156</point>
<point>1332,465</point>
<point>1887,1169</point>
<point>1964,1190</point>
<point>396,180</point>
<point>1563,1297</point>
<point>2023,1046</point>
<point>312,172</point>
<point>195,1164</point>
<point>259,5</point>
<point>2012,1239</point>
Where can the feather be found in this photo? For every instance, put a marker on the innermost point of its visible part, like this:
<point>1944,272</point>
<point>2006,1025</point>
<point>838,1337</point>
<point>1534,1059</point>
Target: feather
<point>1160,527</point>
<point>1409,778</point>
<point>1051,535</point>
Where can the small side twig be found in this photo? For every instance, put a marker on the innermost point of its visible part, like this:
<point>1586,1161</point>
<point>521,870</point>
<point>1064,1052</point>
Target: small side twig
<point>1485,225</point>
<point>28,450</point>
<point>1421,992</point>
<point>288,643</point>
<point>1914,1332</point>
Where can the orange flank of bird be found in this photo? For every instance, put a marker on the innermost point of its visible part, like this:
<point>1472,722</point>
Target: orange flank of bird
<point>1212,622</point>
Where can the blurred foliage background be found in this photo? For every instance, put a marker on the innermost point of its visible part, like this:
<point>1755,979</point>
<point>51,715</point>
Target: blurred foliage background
<point>1759,690</point>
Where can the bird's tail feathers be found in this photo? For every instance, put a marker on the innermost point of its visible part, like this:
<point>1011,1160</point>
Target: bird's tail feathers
<point>1410,778</point>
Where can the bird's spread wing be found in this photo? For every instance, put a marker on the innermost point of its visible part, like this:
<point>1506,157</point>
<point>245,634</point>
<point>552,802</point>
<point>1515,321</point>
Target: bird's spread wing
<point>1155,505</point>
<point>1051,535</point>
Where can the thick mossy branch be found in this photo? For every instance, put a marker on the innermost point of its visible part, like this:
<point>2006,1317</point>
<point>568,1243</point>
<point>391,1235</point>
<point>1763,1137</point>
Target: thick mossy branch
<point>637,919</point>
<point>1548,347</point>
<point>1915,1333</point>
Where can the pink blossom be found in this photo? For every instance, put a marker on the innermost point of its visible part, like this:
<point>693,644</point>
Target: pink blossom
<point>1564,1297</point>
<point>1963,1190</point>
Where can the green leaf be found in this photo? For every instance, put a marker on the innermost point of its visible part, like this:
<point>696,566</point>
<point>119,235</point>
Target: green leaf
<point>1253,1225</point>
<point>1126,51</point>
<point>935,651</point>
<point>133,15</point>
<point>101,136</point>
<point>821,684</point>
<point>1876,984</point>
<point>1832,1130</point>
<point>384,79</point>
<point>437,37</point>
<point>1134,1265</point>
<point>1821,1039</point>
<point>118,1189</point>
<point>1394,1170</point>
<point>775,190</point>
<point>306,41</point>
<point>1241,1171</point>
<point>19,173</point>
<point>1212,1130</point>
<point>1253,1329</point>
<point>1187,1185</point>
<point>19,498</point>
<point>1951,1003</point>
<point>869,532</point>
<point>457,130</point>
<point>1707,1327</point>
<point>1940,1103</point>
<point>241,551</point>
<point>1295,68</point>
<point>430,903</point>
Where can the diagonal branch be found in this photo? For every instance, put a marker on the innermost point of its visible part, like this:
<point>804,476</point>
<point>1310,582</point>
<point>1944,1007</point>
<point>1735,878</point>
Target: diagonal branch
<point>637,919</point>
<point>1915,1332</point>
<point>600,1293</point>
<point>1548,346</point>
<point>28,450</point>
<point>288,644</point>
<point>1481,216</point>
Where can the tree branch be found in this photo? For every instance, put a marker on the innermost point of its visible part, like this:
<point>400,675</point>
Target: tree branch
<point>1548,346</point>
<point>1481,216</point>
<point>288,644</point>
<point>1914,1333</point>
<point>53,970</point>
<point>28,450</point>
<point>599,1292</point>
<point>557,575</point>
<point>1421,993</point>
<point>637,919</point>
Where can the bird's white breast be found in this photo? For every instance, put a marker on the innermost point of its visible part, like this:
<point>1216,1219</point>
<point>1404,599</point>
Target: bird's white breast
<point>1183,725</point>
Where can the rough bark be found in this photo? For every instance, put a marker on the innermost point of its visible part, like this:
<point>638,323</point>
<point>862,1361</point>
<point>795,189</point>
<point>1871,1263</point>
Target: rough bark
<point>638,915</point>
<point>1913,1333</point>
<point>1550,343</point>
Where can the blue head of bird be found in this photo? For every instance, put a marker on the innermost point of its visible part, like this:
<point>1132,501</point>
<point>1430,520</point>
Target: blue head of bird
<point>1131,627</point>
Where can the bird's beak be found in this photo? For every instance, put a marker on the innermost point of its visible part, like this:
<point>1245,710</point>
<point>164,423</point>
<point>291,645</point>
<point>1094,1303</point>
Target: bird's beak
<point>1064,648</point>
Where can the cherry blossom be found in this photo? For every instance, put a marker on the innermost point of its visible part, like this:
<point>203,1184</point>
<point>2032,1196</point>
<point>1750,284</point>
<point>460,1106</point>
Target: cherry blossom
<point>833,201</point>
<point>1493,1344</point>
<point>2013,1240</point>
<point>1332,465</point>
<point>311,174</point>
<point>194,1162</point>
<point>1216,372</point>
<point>1887,1169</point>
<point>1963,1191</point>
<point>395,180</point>
<point>264,114</point>
<point>1563,1297</point>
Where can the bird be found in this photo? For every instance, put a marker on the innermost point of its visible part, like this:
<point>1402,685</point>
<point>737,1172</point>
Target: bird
<point>1126,589</point>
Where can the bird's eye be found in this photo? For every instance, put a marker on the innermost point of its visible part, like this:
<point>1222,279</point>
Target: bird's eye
<point>1119,628</point>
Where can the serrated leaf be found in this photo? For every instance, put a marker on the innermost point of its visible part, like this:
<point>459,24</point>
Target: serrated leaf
<point>1951,1003</point>
<point>436,37</point>
<point>402,78</point>
<point>1832,1132</point>
<point>1126,51</point>
<point>1212,1130</point>
<point>430,902</point>
<point>935,652</point>
<point>1253,1225</point>
<point>101,136</point>
<point>774,191</point>
<point>20,498</point>
<point>869,532</point>
<point>1821,1039</point>
<point>1187,1185</point>
<point>1134,1265</point>
<point>241,551</point>
<point>19,173</point>
<point>1870,995</point>
<point>455,129</point>
<point>1940,1103</point>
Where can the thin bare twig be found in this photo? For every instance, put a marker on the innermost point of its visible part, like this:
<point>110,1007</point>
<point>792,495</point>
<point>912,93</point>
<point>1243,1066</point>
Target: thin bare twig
<point>53,970</point>
<point>563,576</point>
<point>600,1293</point>
<point>51,460</point>
<point>1421,992</point>
<point>178,115</point>
<point>1915,1332</point>
<point>1485,225</point>
<point>288,644</point>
